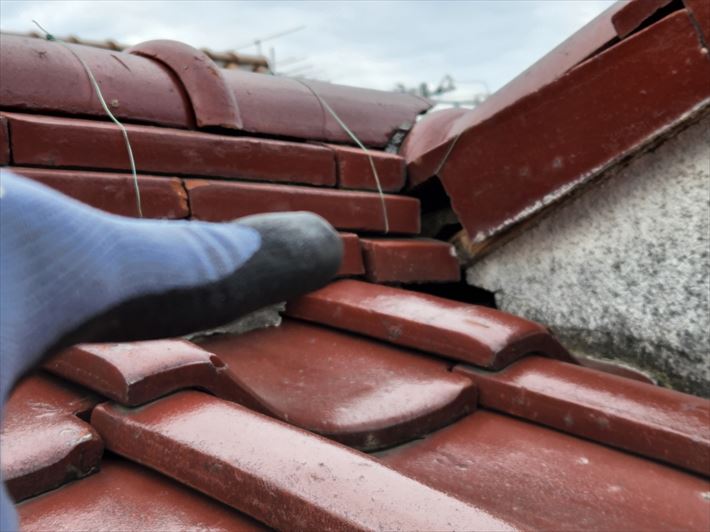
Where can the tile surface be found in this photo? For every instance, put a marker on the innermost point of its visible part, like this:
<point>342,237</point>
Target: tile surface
<point>410,261</point>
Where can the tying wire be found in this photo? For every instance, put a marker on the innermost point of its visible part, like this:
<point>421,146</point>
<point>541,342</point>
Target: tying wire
<point>352,135</point>
<point>97,89</point>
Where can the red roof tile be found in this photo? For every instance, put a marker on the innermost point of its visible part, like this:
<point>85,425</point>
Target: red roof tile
<point>43,443</point>
<point>66,142</point>
<point>541,479</point>
<point>359,392</point>
<point>4,142</point>
<point>479,335</point>
<point>350,210</point>
<point>700,12</point>
<point>283,476</point>
<point>125,496</point>
<point>161,197</point>
<point>652,421</point>
<point>634,14</point>
<point>352,263</point>
<point>355,169</point>
<point>410,260</point>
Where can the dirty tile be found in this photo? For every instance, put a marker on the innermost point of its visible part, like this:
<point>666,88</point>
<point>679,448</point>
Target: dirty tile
<point>662,424</point>
<point>355,169</point>
<point>352,263</point>
<point>410,260</point>
<point>43,76</point>
<point>68,142</point>
<point>502,160</point>
<point>126,496</point>
<point>349,210</point>
<point>541,479</point>
<point>43,443</point>
<point>479,335</point>
<point>357,391</point>
<point>278,474</point>
<point>161,197</point>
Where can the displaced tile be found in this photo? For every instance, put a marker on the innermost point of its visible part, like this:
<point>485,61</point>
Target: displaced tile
<point>287,107</point>
<point>634,14</point>
<point>43,443</point>
<point>410,261</point>
<point>278,474</point>
<point>542,479</point>
<point>126,496</point>
<point>552,142</point>
<point>358,391</point>
<point>68,142</point>
<point>4,142</point>
<point>352,263</point>
<point>699,11</point>
<point>649,420</point>
<point>355,169</point>
<point>350,210</point>
<point>44,76</point>
<point>161,197</point>
<point>479,335</point>
<point>212,100</point>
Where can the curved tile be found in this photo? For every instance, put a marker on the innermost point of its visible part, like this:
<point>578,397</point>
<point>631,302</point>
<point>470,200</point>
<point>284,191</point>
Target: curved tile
<point>545,480</point>
<point>649,420</point>
<point>354,390</point>
<point>479,335</point>
<point>280,475</point>
<point>43,443</point>
<point>125,496</point>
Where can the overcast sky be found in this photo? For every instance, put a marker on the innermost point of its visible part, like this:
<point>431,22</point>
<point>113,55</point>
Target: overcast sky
<point>366,43</point>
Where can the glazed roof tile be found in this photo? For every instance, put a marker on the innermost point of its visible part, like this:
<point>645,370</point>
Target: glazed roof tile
<point>371,366</point>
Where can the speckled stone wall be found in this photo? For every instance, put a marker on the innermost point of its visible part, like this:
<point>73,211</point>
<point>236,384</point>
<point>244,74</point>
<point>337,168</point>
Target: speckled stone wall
<point>623,270</point>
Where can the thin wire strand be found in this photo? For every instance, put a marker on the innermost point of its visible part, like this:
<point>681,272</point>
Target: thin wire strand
<point>360,144</point>
<point>97,89</point>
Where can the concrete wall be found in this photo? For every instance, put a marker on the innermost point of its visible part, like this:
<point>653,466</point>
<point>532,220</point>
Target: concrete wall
<point>623,270</point>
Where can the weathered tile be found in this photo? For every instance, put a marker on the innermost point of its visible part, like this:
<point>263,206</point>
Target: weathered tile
<point>634,14</point>
<point>410,260</point>
<point>43,443</point>
<point>608,108</point>
<point>285,107</point>
<point>350,210</point>
<point>352,263</point>
<point>126,496</point>
<point>357,391</point>
<point>161,197</point>
<point>479,335</point>
<point>355,169</point>
<point>68,142</point>
<point>4,142</point>
<point>278,474</point>
<point>40,75</point>
<point>211,98</point>
<point>541,479</point>
<point>648,420</point>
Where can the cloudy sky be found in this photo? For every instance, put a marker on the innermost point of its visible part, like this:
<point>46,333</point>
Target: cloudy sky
<point>366,43</point>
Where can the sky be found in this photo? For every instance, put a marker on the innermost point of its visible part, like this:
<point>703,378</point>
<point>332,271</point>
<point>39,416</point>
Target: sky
<point>481,44</point>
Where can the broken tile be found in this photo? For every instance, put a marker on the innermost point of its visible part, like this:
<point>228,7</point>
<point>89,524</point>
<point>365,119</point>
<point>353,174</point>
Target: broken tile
<point>4,142</point>
<point>126,496</point>
<point>278,474</point>
<point>68,142</point>
<point>350,210</point>
<point>634,14</point>
<point>43,443</point>
<point>662,424</point>
<point>479,335</point>
<point>355,169</point>
<point>211,98</point>
<point>44,76</point>
<point>410,261</point>
<point>541,479</point>
<point>161,197</point>
<point>352,263</point>
<point>358,391</point>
